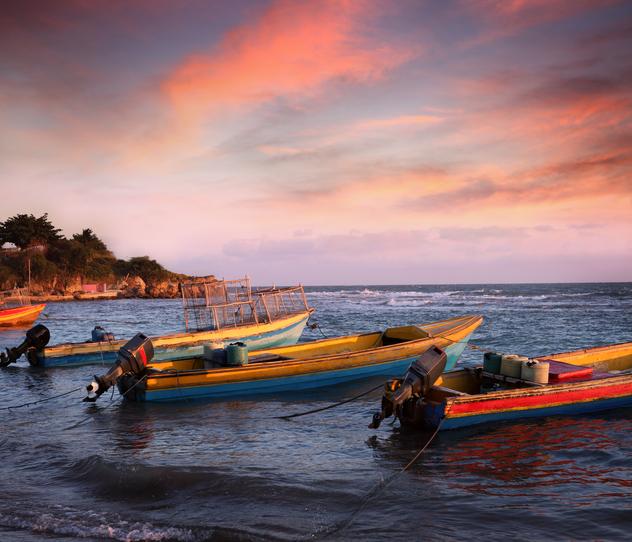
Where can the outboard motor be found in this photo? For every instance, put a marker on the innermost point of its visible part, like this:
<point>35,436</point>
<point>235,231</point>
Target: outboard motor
<point>36,339</point>
<point>99,335</point>
<point>420,377</point>
<point>133,357</point>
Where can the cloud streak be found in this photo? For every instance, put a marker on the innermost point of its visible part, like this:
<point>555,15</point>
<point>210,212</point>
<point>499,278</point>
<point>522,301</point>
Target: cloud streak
<point>205,135</point>
<point>289,51</point>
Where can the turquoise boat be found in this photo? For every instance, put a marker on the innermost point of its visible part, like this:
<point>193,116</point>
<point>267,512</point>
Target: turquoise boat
<point>217,312</point>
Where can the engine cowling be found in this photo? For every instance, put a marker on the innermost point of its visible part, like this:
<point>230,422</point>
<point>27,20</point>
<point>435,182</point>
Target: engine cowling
<point>415,385</point>
<point>133,358</point>
<point>35,341</point>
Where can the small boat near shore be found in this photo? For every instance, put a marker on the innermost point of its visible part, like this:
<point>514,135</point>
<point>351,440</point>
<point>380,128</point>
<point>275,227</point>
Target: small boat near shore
<point>16,308</point>
<point>216,312</point>
<point>567,383</point>
<point>303,366</point>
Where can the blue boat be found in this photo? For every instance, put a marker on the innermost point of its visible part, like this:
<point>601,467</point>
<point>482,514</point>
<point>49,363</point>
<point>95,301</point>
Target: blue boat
<point>298,367</point>
<point>217,312</point>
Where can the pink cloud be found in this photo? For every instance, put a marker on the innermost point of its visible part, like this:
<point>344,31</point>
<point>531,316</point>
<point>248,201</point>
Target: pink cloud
<point>292,49</point>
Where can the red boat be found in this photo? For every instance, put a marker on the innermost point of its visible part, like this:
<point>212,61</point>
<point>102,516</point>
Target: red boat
<point>16,309</point>
<point>588,380</point>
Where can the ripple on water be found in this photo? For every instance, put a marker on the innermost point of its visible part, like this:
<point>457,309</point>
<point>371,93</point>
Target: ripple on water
<point>228,470</point>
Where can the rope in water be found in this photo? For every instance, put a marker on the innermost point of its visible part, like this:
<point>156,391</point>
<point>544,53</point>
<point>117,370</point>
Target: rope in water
<point>379,487</point>
<point>316,325</point>
<point>382,485</point>
<point>30,403</point>
<point>298,414</point>
<point>345,401</point>
<point>111,403</point>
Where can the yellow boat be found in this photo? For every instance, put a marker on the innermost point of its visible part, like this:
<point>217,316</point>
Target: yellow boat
<point>303,366</point>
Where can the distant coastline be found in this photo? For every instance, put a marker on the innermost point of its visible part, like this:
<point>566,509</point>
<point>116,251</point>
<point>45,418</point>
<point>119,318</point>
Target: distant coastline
<point>77,296</point>
<point>34,254</point>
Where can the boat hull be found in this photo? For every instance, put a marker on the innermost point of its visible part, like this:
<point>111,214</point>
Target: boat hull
<point>604,393</point>
<point>20,316</point>
<point>296,375</point>
<point>557,410</point>
<point>281,332</point>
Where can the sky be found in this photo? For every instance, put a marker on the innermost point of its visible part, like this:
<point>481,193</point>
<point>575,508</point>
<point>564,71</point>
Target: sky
<point>334,142</point>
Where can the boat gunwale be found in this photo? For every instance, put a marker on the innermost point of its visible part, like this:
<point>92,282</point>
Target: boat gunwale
<point>469,321</point>
<point>584,351</point>
<point>539,391</point>
<point>57,350</point>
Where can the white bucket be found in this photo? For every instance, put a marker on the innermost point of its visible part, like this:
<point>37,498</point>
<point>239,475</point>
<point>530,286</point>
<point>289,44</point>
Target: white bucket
<point>535,371</point>
<point>511,365</point>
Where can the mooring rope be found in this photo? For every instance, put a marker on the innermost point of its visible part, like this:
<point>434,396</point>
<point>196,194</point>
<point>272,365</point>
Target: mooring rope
<point>111,403</point>
<point>182,397</point>
<point>316,325</point>
<point>345,401</point>
<point>30,403</point>
<point>101,352</point>
<point>379,487</point>
<point>299,414</point>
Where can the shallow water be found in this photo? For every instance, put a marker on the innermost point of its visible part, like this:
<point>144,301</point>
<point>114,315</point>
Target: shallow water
<point>227,470</point>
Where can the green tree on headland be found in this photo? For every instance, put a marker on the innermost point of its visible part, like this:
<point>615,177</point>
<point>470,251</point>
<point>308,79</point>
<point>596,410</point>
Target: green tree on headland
<point>88,239</point>
<point>147,269</point>
<point>28,230</point>
<point>56,262</point>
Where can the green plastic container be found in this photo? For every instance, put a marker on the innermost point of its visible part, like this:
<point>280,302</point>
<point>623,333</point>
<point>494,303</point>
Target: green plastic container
<point>491,362</point>
<point>236,354</point>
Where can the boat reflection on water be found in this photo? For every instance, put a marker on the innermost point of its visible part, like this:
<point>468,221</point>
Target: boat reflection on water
<point>530,458</point>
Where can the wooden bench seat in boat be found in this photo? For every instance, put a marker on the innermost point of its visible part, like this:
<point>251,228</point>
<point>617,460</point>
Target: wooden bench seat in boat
<point>449,391</point>
<point>510,380</point>
<point>438,394</point>
<point>263,358</point>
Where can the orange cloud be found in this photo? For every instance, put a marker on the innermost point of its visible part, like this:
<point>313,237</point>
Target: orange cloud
<point>291,49</point>
<point>554,192</point>
<point>541,115</point>
<point>395,122</point>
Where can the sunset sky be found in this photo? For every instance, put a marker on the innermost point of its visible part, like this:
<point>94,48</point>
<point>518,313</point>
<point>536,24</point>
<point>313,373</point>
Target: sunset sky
<point>327,142</point>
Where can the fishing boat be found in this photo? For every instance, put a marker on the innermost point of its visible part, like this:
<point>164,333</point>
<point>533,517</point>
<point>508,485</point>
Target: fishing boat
<point>235,371</point>
<point>216,312</point>
<point>508,388</point>
<point>16,308</point>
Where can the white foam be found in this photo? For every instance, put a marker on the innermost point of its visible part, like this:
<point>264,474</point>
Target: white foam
<point>90,524</point>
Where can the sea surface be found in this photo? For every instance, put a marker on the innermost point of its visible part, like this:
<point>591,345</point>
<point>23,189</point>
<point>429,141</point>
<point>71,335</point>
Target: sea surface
<point>228,470</point>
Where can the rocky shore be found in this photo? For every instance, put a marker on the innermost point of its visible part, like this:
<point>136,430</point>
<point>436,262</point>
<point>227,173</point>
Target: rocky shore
<point>131,287</point>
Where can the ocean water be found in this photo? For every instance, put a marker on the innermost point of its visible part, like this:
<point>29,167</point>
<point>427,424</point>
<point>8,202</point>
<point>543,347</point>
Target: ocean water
<point>227,470</point>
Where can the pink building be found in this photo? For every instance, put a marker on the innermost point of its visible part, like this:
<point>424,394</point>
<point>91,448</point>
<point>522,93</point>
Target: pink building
<point>94,288</point>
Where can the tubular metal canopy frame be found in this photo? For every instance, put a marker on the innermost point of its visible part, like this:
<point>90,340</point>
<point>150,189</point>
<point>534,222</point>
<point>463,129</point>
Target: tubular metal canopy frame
<point>218,304</point>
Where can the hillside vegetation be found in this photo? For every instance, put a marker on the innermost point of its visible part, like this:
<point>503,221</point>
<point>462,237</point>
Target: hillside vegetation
<point>60,265</point>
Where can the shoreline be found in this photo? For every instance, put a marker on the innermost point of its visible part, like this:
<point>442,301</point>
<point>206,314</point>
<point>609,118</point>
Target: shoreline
<point>101,296</point>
